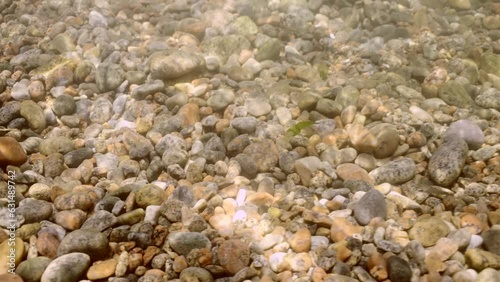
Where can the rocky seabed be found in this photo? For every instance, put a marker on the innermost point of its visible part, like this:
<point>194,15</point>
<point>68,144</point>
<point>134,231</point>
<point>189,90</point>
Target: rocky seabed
<point>239,140</point>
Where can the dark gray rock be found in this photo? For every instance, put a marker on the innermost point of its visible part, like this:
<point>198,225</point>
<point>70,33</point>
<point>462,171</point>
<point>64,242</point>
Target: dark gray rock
<point>371,205</point>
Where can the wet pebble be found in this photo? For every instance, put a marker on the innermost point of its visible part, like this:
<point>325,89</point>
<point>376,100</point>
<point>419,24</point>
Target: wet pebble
<point>371,205</point>
<point>447,162</point>
<point>67,267</point>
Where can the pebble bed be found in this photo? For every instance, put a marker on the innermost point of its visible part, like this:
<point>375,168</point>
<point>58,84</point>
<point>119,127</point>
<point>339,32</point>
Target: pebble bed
<point>240,140</point>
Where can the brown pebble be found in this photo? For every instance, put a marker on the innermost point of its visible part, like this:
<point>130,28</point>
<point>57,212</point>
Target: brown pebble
<point>47,245</point>
<point>233,255</point>
<point>11,152</point>
<point>301,240</point>
<point>179,264</point>
<point>377,266</point>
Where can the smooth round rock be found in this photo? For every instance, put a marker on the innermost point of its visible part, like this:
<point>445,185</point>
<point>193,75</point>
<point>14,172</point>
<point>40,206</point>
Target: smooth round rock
<point>395,172</point>
<point>31,270</point>
<point>467,130</point>
<point>66,268</point>
<point>399,269</point>
<point>11,152</point>
<point>428,230</point>
<point>371,205</point>
<point>447,162</point>
<point>183,242</point>
<point>87,241</point>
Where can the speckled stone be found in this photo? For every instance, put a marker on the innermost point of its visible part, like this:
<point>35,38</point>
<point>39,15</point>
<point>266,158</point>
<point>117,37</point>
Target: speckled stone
<point>395,172</point>
<point>467,130</point>
<point>447,162</point>
<point>183,242</point>
<point>428,230</point>
<point>233,255</point>
<point>67,267</point>
<point>88,241</point>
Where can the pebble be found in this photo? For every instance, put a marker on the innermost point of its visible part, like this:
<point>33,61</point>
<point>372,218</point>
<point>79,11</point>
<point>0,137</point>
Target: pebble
<point>395,172</point>
<point>31,270</point>
<point>5,261</point>
<point>196,274</point>
<point>399,269</point>
<point>67,267</point>
<point>491,239</point>
<point>428,230</point>
<point>233,255</point>
<point>371,205</point>
<point>353,172</point>
<point>479,259</point>
<point>11,152</point>
<point>467,130</point>
<point>102,270</point>
<point>301,240</point>
<point>447,162</point>
<point>184,242</point>
<point>87,241</point>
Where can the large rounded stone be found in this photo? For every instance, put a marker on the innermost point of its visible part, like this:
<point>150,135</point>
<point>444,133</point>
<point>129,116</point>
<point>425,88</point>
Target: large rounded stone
<point>428,230</point>
<point>387,140</point>
<point>447,162</point>
<point>34,115</point>
<point>11,152</point>
<point>31,270</point>
<point>66,268</point>
<point>183,242</point>
<point>467,130</point>
<point>87,241</point>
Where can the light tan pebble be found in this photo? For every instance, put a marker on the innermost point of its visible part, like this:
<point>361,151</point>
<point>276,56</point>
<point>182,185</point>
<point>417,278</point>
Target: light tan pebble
<point>341,228</point>
<point>383,188</point>
<point>480,259</point>
<point>318,218</point>
<point>278,263</point>
<point>488,274</point>
<point>473,223</point>
<point>300,262</point>
<point>445,248</point>
<point>301,240</point>
<point>407,219</point>
<point>428,230</point>
<point>421,114</point>
<point>377,266</point>
<point>342,251</point>
<point>362,139</point>
<point>179,264</point>
<point>47,245</point>
<point>140,270</point>
<point>39,191</point>
<point>350,171</point>
<point>5,247</point>
<point>318,274</point>
<point>434,262</point>
<point>122,265</point>
<point>9,277</point>
<point>102,269</point>
<point>71,219</point>
<point>263,199</point>
<point>134,261</point>
<point>32,250</point>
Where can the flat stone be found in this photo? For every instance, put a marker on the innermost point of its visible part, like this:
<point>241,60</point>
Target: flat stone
<point>428,230</point>
<point>491,239</point>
